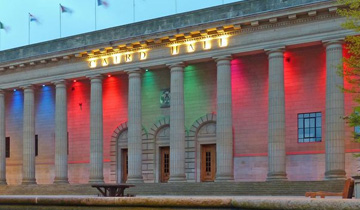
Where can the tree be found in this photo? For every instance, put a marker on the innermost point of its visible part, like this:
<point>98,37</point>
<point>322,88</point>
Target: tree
<point>351,63</point>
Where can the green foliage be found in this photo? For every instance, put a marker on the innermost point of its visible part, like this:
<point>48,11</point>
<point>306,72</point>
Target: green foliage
<point>351,72</point>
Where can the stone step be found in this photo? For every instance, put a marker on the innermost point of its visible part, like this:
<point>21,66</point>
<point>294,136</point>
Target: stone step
<point>235,188</point>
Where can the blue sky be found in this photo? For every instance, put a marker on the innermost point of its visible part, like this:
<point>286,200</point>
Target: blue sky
<point>15,15</point>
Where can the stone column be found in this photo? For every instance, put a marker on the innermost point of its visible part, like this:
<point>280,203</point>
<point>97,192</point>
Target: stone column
<point>334,125</point>
<point>134,128</point>
<point>224,135</point>
<point>61,142</point>
<point>2,139</point>
<point>177,124</point>
<point>96,130</point>
<point>276,126</point>
<point>29,136</point>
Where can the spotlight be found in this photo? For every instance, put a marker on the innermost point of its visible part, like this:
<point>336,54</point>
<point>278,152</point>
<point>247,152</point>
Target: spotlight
<point>146,70</point>
<point>74,80</point>
<point>109,75</point>
<point>14,90</point>
<point>43,85</point>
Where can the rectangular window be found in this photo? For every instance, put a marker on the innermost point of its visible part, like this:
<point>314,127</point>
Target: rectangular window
<point>36,145</point>
<point>7,146</point>
<point>309,127</point>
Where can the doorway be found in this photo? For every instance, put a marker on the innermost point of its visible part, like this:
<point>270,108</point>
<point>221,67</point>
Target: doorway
<point>208,162</point>
<point>124,165</point>
<point>165,164</point>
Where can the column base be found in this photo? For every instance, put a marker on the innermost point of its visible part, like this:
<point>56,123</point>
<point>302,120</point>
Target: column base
<point>61,181</point>
<point>28,181</point>
<point>335,175</point>
<point>96,181</point>
<point>178,178</point>
<point>281,176</point>
<point>3,182</point>
<point>224,178</point>
<point>135,179</point>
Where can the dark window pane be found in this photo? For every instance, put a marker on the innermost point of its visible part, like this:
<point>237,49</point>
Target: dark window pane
<point>301,140</point>
<point>318,122</point>
<point>318,114</point>
<point>312,122</point>
<point>306,115</point>
<point>300,123</point>
<point>307,132</point>
<point>318,139</point>
<point>36,145</point>
<point>312,132</point>
<point>300,116</point>
<point>301,133</point>
<point>306,140</point>
<point>312,115</point>
<point>357,129</point>
<point>307,123</point>
<point>7,147</point>
<point>312,139</point>
<point>318,132</point>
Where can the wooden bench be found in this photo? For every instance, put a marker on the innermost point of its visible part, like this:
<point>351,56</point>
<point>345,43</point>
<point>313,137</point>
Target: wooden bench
<point>347,192</point>
<point>113,190</point>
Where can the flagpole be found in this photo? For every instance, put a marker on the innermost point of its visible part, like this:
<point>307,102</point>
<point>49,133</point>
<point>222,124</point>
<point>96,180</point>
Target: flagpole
<point>29,30</point>
<point>60,19</point>
<point>134,11</point>
<point>95,14</point>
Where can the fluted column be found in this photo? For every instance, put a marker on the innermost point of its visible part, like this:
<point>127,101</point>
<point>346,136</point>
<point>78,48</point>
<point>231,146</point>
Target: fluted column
<point>177,124</point>
<point>224,136</point>
<point>276,123</point>
<point>61,157</point>
<point>96,130</point>
<point>29,136</point>
<point>134,128</point>
<point>2,139</point>
<point>335,125</point>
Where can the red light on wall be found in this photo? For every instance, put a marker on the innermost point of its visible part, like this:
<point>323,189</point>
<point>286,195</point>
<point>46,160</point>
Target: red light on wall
<point>74,80</point>
<point>109,75</point>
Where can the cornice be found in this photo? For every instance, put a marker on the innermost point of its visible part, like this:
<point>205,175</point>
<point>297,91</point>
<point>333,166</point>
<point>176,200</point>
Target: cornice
<point>243,24</point>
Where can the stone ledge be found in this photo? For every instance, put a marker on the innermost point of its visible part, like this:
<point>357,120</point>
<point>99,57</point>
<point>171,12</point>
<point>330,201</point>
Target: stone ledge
<point>214,202</point>
<point>270,203</point>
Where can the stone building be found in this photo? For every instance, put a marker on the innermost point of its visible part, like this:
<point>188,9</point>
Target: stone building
<point>246,91</point>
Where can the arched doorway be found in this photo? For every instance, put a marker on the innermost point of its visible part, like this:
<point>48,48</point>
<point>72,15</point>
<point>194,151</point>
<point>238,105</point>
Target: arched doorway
<point>162,151</point>
<point>118,154</point>
<point>206,144</point>
<point>202,135</point>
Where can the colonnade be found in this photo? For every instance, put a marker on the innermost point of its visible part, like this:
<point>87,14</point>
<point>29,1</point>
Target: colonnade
<point>335,152</point>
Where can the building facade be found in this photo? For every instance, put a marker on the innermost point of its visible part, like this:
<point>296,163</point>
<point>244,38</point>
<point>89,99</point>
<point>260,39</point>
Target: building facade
<point>246,91</point>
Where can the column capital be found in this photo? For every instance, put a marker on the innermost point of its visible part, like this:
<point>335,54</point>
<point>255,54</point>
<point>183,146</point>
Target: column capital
<point>222,58</point>
<point>176,65</point>
<point>134,71</point>
<point>27,87</point>
<point>95,77</point>
<point>327,43</point>
<point>59,82</point>
<point>274,50</point>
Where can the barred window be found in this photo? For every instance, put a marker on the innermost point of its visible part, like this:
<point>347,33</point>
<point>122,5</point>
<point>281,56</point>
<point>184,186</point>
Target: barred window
<point>309,127</point>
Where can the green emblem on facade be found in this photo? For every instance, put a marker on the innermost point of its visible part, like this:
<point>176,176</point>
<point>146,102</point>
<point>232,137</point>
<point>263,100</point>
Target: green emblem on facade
<point>165,98</point>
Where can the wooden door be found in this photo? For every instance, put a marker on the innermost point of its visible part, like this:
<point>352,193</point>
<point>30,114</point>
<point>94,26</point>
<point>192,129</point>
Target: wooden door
<point>124,165</point>
<point>165,164</point>
<point>208,162</point>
